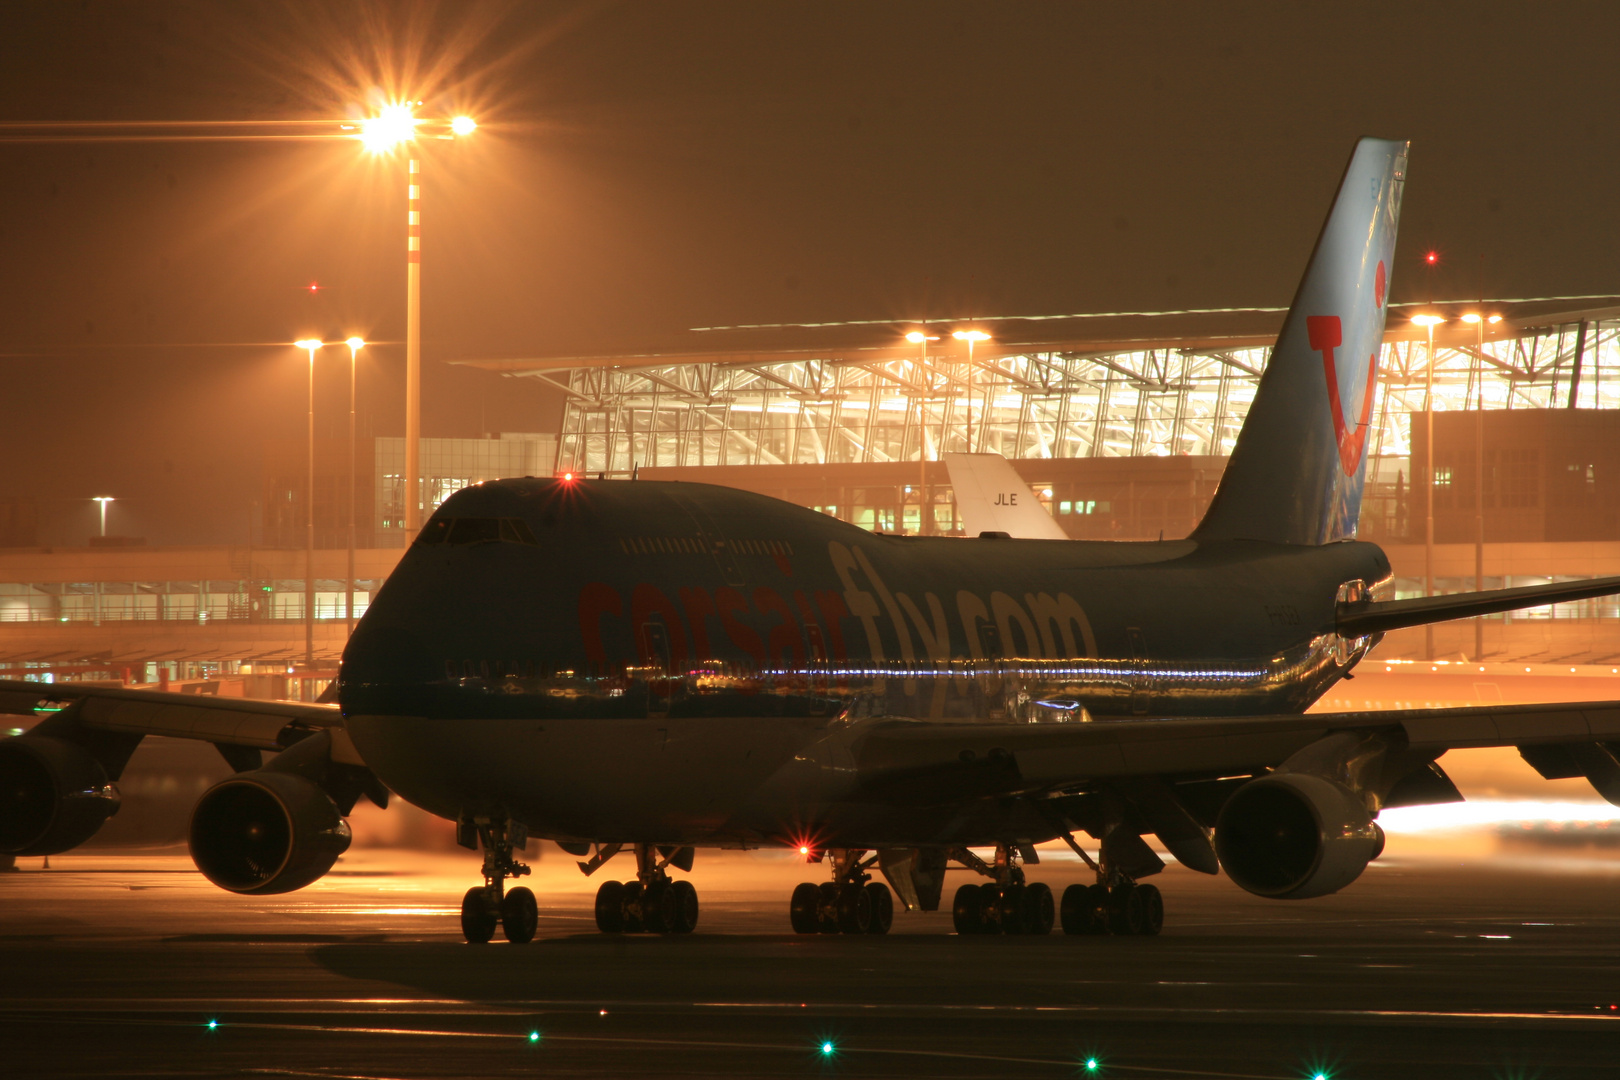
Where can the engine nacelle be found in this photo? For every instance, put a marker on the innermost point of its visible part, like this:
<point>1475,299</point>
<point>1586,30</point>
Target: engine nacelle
<point>53,795</point>
<point>1292,836</point>
<point>266,831</point>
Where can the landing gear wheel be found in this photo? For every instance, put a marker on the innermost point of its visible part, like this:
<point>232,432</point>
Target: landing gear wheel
<point>854,909</point>
<point>965,913</point>
<point>1152,909</point>
<point>1038,908</point>
<point>630,908</point>
<point>658,908</point>
<point>520,916</point>
<point>989,908</point>
<point>1127,911</point>
<point>1010,909</point>
<point>685,904</point>
<point>805,909</point>
<point>882,908</point>
<point>827,908</point>
<point>610,907</point>
<point>478,916</point>
<point>1099,909</point>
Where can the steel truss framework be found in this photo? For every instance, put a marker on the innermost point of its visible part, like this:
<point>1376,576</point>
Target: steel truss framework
<point>1156,402</point>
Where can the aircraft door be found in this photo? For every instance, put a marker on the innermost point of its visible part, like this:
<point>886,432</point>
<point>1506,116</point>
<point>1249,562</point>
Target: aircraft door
<point>663,684</point>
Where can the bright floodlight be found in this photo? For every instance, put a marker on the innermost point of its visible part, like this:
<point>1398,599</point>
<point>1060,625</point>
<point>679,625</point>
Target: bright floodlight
<point>395,124</point>
<point>356,343</point>
<point>1494,319</point>
<point>308,343</point>
<point>463,125</point>
<point>970,335</point>
<point>1427,320</point>
<point>916,337</point>
<point>1470,318</point>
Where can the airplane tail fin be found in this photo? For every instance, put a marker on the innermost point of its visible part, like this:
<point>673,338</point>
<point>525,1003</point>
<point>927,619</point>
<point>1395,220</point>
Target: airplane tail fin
<point>1296,473</point>
<point>993,498</point>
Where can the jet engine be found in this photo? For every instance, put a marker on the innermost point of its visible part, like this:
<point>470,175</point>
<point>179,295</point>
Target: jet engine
<point>1292,836</point>
<point>266,831</point>
<point>54,795</point>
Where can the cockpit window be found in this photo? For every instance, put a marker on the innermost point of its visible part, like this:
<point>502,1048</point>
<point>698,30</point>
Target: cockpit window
<point>476,530</point>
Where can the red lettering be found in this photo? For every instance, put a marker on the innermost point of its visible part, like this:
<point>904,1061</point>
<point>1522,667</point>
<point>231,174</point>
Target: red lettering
<point>786,643</point>
<point>596,600</point>
<point>728,601</point>
<point>699,606</point>
<point>645,602</point>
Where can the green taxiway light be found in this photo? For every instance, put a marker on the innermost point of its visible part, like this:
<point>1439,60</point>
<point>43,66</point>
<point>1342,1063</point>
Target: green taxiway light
<point>827,1049</point>
<point>1091,1065</point>
<point>212,1024</point>
<point>534,1036</point>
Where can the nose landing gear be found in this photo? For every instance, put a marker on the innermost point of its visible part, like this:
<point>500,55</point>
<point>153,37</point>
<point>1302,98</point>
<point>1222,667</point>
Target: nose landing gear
<point>490,904</point>
<point>654,902</point>
<point>851,903</point>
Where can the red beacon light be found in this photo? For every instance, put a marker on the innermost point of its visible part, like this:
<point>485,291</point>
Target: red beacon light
<point>568,477</point>
<point>1432,258</point>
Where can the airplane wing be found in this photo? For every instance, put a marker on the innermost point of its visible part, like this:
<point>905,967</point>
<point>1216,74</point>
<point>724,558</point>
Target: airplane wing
<point>225,722</point>
<point>1030,758</point>
<point>993,498</point>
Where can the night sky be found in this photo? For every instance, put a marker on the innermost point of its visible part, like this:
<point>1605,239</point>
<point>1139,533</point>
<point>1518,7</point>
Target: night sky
<point>646,168</point>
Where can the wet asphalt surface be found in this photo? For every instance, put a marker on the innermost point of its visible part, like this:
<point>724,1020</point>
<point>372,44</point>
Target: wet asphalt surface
<point>1439,965</point>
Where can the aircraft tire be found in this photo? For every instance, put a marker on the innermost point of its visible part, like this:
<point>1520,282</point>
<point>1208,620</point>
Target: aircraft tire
<point>630,908</point>
<point>658,908</point>
<point>989,908</point>
<point>610,907</point>
<point>1075,910</point>
<point>1152,910</point>
<point>478,916</point>
<point>882,908</point>
<point>827,907</point>
<point>1010,909</point>
<point>1099,909</point>
<point>685,906</point>
<point>1039,910</point>
<point>854,909</point>
<point>965,910</point>
<point>520,916</point>
<point>804,910</point>
<point>1126,910</point>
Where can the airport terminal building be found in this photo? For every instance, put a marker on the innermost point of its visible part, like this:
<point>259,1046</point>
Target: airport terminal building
<point>1121,424</point>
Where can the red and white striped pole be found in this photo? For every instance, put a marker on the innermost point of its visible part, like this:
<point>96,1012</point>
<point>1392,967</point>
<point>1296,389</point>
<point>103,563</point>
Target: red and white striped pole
<point>413,352</point>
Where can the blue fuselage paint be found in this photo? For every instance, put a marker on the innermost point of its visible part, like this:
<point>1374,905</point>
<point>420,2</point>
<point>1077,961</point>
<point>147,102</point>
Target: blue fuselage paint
<point>677,662</point>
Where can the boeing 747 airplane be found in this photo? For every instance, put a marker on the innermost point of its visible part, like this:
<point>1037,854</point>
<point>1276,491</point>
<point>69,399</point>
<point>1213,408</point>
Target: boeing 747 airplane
<point>641,669</point>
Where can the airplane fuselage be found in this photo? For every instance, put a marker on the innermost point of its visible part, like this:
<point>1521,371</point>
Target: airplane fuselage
<point>680,663</point>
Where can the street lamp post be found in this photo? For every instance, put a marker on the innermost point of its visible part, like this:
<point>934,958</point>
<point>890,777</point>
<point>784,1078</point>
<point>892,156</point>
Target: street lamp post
<point>1478,322</point>
<point>309,345</point>
<point>103,500</point>
<point>392,127</point>
<point>972,337</point>
<point>355,345</point>
<point>921,338</point>
<point>1429,322</point>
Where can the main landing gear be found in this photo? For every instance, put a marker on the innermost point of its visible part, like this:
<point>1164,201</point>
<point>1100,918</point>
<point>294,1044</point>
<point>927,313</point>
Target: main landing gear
<point>484,906</point>
<point>1005,905</point>
<point>1116,904</point>
<point>851,903</point>
<point>653,903</point>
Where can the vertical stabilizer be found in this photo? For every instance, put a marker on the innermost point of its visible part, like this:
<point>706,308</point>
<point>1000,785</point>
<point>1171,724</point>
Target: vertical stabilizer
<point>992,497</point>
<point>1296,473</point>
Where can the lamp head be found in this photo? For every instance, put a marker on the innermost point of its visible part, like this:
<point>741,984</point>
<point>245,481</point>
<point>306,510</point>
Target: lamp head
<point>1493,319</point>
<point>1427,320</point>
<point>916,337</point>
<point>356,343</point>
<point>463,125</point>
<point>1471,318</point>
<point>393,125</point>
<point>309,343</point>
<point>970,335</point>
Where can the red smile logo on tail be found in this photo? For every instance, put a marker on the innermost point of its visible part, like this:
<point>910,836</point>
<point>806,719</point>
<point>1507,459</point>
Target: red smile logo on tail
<point>1327,334</point>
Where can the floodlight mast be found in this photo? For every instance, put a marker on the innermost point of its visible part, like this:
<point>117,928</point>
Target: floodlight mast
<point>1428,322</point>
<point>396,125</point>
